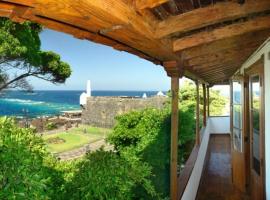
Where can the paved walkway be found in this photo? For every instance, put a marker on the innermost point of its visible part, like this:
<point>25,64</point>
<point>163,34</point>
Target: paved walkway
<point>79,152</point>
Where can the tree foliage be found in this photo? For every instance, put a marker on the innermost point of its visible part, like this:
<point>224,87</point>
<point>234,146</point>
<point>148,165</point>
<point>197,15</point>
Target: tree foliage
<point>144,135</point>
<point>187,97</point>
<point>107,176</point>
<point>26,168</point>
<point>21,56</point>
<point>28,171</point>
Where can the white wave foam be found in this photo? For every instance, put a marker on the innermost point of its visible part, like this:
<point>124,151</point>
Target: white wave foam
<point>25,102</point>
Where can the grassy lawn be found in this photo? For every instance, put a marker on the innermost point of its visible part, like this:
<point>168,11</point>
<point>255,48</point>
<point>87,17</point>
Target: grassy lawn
<point>75,138</point>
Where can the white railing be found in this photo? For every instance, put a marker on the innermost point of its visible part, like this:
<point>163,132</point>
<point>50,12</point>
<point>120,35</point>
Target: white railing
<point>215,125</point>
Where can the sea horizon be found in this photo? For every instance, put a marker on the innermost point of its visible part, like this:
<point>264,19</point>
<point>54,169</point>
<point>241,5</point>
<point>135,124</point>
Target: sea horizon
<point>113,90</point>
<point>39,103</point>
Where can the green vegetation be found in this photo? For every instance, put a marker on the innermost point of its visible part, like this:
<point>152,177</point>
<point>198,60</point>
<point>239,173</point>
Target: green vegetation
<point>107,176</point>
<point>50,126</point>
<point>145,136</point>
<point>75,138</point>
<point>26,168</point>
<point>28,171</point>
<point>90,130</point>
<point>217,102</point>
<point>72,141</point>
<point>256,113</point>
<point>138,169</point>
<point>21,56</point>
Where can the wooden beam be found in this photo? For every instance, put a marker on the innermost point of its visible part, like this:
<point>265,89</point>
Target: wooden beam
<point>136,32</point>
<point>221,55</point>
<point>225,63</point>
<point>216,73</point>
<point>20,13</point>
<point>29,3</point>
<point>113,19</point>
<point>13,11</point>
<point>193,75</point>
<point>213,14</point>
<point>174,138</point>
<point>257,24</point>
<point>240,42</point>
<point>217,79</point>
<point>173,68</point>
<point>115,10</point>
<point>6,10</point>
<point>143,4</point>
<point>198,138</point>
<point>204,105</point>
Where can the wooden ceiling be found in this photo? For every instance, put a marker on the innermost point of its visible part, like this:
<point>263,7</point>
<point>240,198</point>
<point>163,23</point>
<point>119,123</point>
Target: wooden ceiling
<point>208,39</point>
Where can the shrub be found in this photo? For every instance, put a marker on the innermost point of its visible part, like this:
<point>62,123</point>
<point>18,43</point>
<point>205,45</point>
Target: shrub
<point>187,131</point>
<point>27,171</point>
<point>50,126</point>
<point>145,135</point>
<point>105,175</point>
<point>25,167</point>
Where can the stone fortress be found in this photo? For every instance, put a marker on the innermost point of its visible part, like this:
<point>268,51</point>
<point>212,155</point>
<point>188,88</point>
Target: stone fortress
<point>101,111</point>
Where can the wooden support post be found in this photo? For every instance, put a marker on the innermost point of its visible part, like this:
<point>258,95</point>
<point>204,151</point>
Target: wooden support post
<point>204,105</point>
<point>208,102</point>
<point>174,136</point>
<point>198,139</point>
<point>175,71</point>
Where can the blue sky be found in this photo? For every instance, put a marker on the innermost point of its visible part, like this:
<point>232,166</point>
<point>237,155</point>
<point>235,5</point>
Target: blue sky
<point>108,69</point>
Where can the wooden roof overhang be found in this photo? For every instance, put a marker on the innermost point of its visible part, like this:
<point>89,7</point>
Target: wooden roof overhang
<point>207,39</point>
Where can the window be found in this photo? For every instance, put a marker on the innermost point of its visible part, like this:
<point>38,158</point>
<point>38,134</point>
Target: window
<point>237,116</point>
<point>255,112</point>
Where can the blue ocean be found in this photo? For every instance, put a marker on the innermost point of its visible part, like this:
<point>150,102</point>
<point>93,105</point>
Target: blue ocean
<point>48,103</point>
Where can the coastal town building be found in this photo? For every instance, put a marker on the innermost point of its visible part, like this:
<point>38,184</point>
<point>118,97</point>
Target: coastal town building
<point>212,42</point>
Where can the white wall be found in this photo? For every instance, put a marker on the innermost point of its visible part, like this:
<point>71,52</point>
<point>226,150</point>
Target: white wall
<point>219,125</point>
<point>267,122</point>
<point>214,125</point>
<point>264,50</point>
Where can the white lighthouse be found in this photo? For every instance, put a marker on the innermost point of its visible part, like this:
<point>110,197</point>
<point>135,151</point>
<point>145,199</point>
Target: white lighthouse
<point>88,88</point>
<point>83,96</point>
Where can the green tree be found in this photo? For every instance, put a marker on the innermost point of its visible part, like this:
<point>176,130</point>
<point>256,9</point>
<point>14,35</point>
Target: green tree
<point>26,168</point>
<point>187,97</point>
<point>145,136</point>
<point>105,175</point>
<point>21,57</point>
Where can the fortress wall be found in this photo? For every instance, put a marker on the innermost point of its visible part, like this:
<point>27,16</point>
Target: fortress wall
<point>101,111</point>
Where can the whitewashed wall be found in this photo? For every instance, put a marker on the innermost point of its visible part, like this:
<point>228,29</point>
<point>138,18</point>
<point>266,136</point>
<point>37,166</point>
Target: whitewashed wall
<point>215,125</point>
<point>264,50</point>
